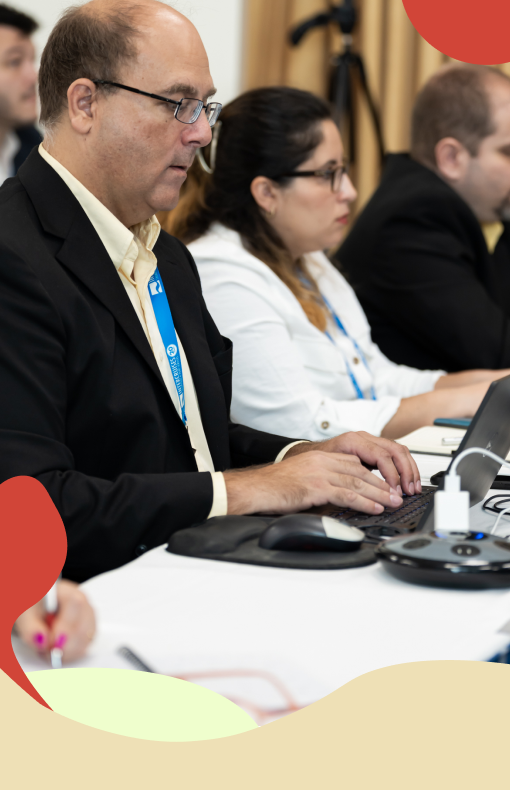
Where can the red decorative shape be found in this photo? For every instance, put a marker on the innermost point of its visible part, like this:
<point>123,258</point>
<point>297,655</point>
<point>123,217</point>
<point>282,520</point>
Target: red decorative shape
<point>467,30</point>
<point>33,550</point>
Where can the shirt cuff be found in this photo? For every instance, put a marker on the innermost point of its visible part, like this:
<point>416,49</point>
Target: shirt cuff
<point>219,502</point>
<point>281,455</point>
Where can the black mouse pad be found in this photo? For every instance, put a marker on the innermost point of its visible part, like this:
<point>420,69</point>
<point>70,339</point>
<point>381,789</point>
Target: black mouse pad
<point>237,541</point>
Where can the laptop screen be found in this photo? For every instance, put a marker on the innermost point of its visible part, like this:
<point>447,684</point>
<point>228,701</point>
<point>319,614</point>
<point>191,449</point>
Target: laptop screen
<point>490,429</point>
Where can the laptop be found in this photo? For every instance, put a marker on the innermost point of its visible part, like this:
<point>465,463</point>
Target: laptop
<point>490,429</point>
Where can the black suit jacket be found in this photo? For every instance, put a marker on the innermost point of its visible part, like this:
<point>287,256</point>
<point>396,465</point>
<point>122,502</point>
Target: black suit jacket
<point>29,137</point>
<point>418,261</point>
<point>83,407</point>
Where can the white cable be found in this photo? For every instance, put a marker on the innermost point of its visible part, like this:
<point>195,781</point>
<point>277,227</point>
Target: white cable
<point>498,519</point>
<point>480,450</point>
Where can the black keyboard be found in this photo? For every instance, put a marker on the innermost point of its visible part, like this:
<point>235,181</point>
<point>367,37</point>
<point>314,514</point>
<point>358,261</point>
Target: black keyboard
<point>391,522</point>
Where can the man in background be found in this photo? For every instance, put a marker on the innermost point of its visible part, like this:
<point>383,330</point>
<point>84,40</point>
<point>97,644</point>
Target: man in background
<point>429,256</point>
<point>18,100</point>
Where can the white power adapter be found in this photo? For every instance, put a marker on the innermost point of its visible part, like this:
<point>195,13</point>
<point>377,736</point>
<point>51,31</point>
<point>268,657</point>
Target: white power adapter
<point>451,507</point>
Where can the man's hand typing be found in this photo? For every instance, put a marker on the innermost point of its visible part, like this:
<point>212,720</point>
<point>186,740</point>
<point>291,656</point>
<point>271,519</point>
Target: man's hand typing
<point>331,472</point>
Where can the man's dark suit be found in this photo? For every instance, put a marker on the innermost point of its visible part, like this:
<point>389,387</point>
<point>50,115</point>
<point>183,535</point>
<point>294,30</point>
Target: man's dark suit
<point>83,406</point>
<point>417,258</point>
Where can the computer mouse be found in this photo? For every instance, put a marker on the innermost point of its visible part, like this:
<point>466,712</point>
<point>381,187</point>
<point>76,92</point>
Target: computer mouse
<point>306,532</point>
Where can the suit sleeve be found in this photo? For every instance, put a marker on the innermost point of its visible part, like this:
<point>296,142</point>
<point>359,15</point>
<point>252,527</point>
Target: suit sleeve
<point>108,522</point>
<point>424,283</point>
<point>249,447</point>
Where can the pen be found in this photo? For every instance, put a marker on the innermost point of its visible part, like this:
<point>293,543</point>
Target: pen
<point>137,662</point>
<point>451,440</point>
<point>51,604</point>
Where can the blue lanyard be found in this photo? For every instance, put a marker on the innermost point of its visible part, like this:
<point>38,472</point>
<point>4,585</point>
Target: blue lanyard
<point>359,392</point>
<point>360,353</point>
<point>168,335</point>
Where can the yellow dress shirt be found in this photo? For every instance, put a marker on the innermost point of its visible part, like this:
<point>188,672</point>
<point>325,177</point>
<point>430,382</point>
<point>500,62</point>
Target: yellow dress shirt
<point>131,253</point>
<point>492,232</point>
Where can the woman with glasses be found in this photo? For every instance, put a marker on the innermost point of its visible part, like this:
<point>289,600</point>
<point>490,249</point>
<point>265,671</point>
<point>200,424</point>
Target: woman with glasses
<point>260,206</point>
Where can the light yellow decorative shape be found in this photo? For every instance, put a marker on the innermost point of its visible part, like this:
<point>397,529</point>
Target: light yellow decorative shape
<point>140,704</point>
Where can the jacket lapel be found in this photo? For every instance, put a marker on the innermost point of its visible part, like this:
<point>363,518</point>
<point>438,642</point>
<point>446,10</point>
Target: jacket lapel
<point>85,256</point>
<point>82,251</point>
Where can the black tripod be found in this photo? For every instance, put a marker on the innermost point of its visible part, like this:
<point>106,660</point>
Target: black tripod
<point>346,68</point>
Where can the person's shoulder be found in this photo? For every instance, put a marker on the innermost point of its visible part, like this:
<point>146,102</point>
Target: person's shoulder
<point>223,247</point>
<point>222,259</point>
<point>15,207</point>
<point>400,169</point>
<point>29,138</point>
<point>219,244</point>
<point>29,135</point>
<point>24,259</point>
<point>407,185</point>
<point>10,188</point>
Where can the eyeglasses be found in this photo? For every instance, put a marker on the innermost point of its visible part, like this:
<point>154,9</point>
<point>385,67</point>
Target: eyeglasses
<point>261,715</point>
<point>333,174</point>
<point>186,111</point>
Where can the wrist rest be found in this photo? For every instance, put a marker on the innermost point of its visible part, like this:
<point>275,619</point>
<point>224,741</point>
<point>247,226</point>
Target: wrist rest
<point>235,539</point>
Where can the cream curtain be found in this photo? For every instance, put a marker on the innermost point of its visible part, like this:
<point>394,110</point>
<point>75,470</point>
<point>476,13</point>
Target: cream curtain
<point>397,60</point>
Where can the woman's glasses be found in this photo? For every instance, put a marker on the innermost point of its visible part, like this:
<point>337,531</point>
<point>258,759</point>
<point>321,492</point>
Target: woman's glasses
<point>186,111</point>
<point>332,174</point>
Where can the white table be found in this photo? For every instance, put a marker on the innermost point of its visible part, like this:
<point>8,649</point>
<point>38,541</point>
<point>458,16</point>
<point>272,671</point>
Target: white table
<point>315,630</point>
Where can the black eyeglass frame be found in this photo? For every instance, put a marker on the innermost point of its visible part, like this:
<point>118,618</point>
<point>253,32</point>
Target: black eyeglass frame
<point>216,106</point>
<point>332,171</point>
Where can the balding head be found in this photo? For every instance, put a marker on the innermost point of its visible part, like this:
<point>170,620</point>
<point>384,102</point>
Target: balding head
<point>129,149</point>
<point>96,40</point>
<point>461,129</point>
<point>457,101</point>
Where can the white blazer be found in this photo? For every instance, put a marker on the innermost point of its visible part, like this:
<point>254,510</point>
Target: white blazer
<point>289,377</point>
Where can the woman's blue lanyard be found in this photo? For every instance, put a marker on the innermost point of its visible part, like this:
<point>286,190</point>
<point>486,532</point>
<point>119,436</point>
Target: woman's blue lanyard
<point>343,330</point>
<point>168,335</point>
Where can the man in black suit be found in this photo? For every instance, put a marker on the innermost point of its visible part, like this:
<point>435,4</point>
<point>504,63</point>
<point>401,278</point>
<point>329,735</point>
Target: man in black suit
<point>126,425</point>
<point>429,256</point>
<point>18,101</point>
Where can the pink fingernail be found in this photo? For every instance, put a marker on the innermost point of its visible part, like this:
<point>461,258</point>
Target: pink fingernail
<point>396,500</point>
<point>411,488</point>
<point>379,508</point>
<point>39,639</point>
<point>60,641</point>
<point>418,486</point>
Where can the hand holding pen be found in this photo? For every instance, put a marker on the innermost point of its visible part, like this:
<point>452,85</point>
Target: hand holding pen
<point>51,606</point>
<point>68,629</point>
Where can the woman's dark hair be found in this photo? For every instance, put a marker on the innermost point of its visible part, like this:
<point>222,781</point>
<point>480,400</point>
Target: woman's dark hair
<point>264,132</point>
